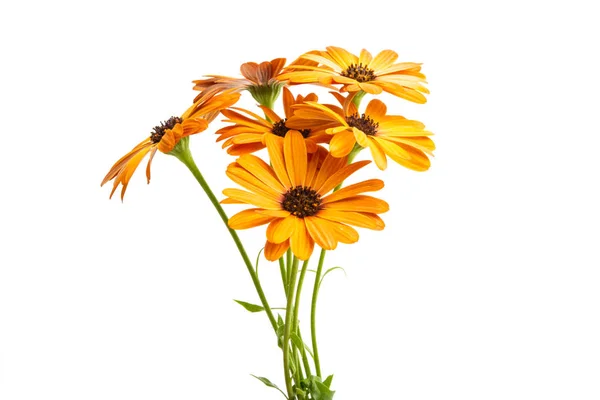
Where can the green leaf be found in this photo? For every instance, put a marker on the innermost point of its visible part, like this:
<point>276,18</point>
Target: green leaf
<point>250,307</point>
<point>296,340</point>
<point>269,383</point>
<point>319,391</point>
<point>328,271</point>
<point>327,381</point>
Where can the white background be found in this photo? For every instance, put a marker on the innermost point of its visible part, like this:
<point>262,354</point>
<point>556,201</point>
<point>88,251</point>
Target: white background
<point>484,284</point>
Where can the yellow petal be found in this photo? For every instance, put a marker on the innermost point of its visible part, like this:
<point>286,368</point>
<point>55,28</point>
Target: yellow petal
<point>362,220</point>
<point>378,154</point>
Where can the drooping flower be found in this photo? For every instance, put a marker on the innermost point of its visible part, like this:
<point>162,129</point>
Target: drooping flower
<point>248,131</point>
<point>166,136</point>
<point>404,141</point>
<point>259,79</point>
<point>292,197</point>
<point>364,72</point>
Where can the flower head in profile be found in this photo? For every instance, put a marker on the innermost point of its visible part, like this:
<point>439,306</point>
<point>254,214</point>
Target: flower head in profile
<point>404,141</point>
<point>248,132</point>
<point>360,73</point>
<point>259,79</point>
<point>166,137</point>
<point>293,197</point>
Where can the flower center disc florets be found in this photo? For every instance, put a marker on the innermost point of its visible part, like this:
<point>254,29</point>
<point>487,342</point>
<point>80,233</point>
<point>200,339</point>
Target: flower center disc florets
<point>359,73</point>
<point>280,129</point>
<point>301,201</point>
<point>159,130</point>
<point>364,123</point>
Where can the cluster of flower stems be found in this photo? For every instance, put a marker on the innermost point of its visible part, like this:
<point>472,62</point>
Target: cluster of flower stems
<point>296,361</point>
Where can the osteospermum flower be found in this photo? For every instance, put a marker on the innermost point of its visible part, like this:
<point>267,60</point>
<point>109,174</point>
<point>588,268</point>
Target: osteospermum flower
<point>292,197</point>
<point>248,131</point>
<point>364,72</point>
<point>404,141</point>
<point>259,79</point>
<point>165,137</point>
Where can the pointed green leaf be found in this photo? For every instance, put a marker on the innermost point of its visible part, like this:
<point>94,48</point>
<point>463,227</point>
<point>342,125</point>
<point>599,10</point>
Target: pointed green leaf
<point>269,383</point>
<point>327,381</point>
<point>250,307</point>
<point>319,391</point>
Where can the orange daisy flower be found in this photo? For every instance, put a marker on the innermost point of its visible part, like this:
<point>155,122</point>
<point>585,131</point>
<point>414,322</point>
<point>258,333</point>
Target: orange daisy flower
<point>292,197</point>
<point>165,137</point>
<point>247,133</point>
<point>365,72</point>
<point>259,79</point>
<point>404,141</point>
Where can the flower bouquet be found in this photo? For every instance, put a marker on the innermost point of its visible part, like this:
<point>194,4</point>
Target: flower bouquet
<point>293,169</point>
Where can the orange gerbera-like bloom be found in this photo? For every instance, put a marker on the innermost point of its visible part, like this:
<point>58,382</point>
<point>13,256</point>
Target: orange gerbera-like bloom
<point>365,72</point>
<point>248,132</point>
<point>292,197</point>
<point>404,141</point>
<point>166,136</point>
<point>259,79</point>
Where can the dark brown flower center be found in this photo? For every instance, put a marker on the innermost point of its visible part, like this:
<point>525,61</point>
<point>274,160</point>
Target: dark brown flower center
<point>159,130</point>
<point>359,73</point>
<point>364,123</point>
<point>280,129</point>
<point>301,201</point>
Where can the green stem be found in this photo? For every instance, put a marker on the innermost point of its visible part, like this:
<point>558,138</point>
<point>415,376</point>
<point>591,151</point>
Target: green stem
<point>304,357</point>
<point>186,158</point>
<point>295,321</point>
<point>288,330</point>
<point>283,275</point>
<point>313,313</point>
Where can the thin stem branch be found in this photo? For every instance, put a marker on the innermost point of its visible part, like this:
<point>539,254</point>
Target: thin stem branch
<point>288,330</point>
<point>313,313</point>
<point>186,158</point>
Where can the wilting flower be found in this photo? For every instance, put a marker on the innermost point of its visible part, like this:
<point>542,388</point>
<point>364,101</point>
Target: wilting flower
<point>259,79</point>
<point>292,197</point>
<point>248,131</point>
<point>365,72</point>
<point>166,136</point>
<point>404,141</point>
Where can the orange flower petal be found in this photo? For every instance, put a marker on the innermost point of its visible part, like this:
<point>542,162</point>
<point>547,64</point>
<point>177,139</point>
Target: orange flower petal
<point>274,252</point>
<point>301,243</point>
<point>378,153</point>
<point>371,185</point>
<point>339,176</point>
<point>362,220</point>
<point>252,198</point>
<point>321,232</point>
<point>275,147</point>
<point>342,143</point>
<point>248,219</point>
<point>295,154</point>
<point>281,229</point>
<point>261,170</point>
<point>243,178</point>
<point>383,60</point>
<point>359,203</point>
<point>376,109</point>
